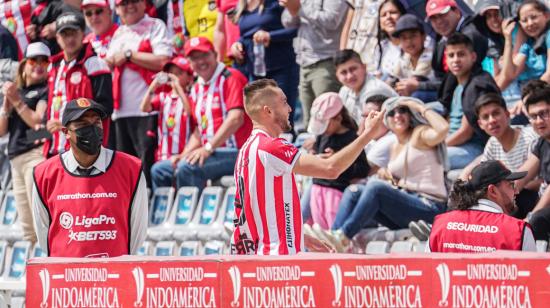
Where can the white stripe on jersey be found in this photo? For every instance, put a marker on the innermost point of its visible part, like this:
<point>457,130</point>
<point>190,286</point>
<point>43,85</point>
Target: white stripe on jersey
<point>270,213</point>
<point>254,194</point>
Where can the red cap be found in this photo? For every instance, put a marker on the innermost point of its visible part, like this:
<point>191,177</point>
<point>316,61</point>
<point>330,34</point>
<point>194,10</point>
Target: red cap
<point>435,7</point>
<point>200,43</point>
<point>180,62</point>
<point>102,3</point>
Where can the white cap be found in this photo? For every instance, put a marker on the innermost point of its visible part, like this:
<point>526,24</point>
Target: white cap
<point>102,3</point>
<point>37,49</point>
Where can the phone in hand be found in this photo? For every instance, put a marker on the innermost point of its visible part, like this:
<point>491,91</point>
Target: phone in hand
<point>33,135</point>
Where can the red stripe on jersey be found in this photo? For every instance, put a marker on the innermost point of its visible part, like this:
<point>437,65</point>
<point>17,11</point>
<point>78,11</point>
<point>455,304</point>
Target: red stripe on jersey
<point>260,199</point>
<point>297,212</point>
<point>280,213</point>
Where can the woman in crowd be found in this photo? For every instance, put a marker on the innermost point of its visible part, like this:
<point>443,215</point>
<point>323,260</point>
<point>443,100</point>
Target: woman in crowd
<point>23,108</point>
<point>387,50</point>
<point>415,179</point>
<point>260,26</point>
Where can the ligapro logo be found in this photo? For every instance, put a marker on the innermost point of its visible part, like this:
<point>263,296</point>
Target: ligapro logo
<point>137,272</point>
<point>235,275</point>
<point>336,273</point>
<point>45,281</point>
<point>445,280</point>
<point>66,220</point>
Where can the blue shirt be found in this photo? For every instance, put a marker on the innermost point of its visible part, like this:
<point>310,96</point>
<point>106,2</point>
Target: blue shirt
<point>455,115</point>
<point>535,64</point>
<point>280,53</point>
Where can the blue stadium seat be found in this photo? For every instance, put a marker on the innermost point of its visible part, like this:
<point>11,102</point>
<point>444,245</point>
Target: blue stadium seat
<point>162,200</point>
<point>225,215</point>
<point>145,249</point>
<point>17,260</point>
<point>10,229</point>
<point>182,211</point>
<point>189,248</point>
<point>165,248</point>
<point>214,248</point>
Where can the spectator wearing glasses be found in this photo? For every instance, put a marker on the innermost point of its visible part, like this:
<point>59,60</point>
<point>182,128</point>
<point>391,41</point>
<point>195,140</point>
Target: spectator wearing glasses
<point>24,107</point>
<point>75,72</point>
<point>480,221</point>
<point>537,104</point>
<point>99,18</point>
<point>139,49</point>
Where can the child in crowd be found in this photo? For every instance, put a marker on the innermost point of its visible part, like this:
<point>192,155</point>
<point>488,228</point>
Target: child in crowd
<point>173,105</point>
<point>335,129</point>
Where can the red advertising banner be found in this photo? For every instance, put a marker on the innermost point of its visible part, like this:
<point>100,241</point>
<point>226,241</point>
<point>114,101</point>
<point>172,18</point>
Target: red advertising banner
<point>507,279</point>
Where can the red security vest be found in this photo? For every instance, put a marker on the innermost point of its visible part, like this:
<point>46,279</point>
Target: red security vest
<point>476,231</point>
<point>89,215</point>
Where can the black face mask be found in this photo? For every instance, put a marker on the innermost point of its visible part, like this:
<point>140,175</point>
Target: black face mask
<point>89,139</point>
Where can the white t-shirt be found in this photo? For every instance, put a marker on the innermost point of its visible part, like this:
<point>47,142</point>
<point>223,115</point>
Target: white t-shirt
<point>354,102</point>
<point>379,151</point>
<point>133,87</point>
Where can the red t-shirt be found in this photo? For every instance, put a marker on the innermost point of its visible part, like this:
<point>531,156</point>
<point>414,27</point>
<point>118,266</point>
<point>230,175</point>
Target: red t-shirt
<point>232,32</point>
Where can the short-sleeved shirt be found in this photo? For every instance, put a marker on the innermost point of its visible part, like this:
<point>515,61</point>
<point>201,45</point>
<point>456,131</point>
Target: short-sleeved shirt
<point>232,32</point>
<point>541,149</point>
<point>517,155</point>
<point>200,18</point>
<point>147,31</point>
<point>267,206</point>
<point>456,113</point>
<point>404,69</point>
<point>211,101</point>
<point>535,64</point>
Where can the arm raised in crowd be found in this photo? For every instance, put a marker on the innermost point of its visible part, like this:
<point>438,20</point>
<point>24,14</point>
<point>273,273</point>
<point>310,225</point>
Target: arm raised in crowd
<point>14,103</point>
<point>513,62</point>
<point>435,132</point>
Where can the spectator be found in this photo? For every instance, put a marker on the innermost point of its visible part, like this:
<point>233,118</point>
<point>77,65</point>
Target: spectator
<point>221,124</point>
<point>200,18</point>
<point>537,104</point>
<point>139,48</point>
<point>360,30</point>
<point>99,18</point>
<point>226,32</point>
<point>465,82</point>
<point>15,17</point>
<point>414,63</point>
<point>530,62</point>
<point>174,126</point>
<point>387,50</point>
<point>509,145</point>
<point>486,200</point>
<point>260,24</point>
<point>319,26</point>
<point>76,72</point>
<point>416,170</point>
<point>89,169</point>
<point>334,129</point>
<point>446,19</point>
<point>24,108</point>
<point>175,24</point>
<point>352,73</point>
<point>9,48</point>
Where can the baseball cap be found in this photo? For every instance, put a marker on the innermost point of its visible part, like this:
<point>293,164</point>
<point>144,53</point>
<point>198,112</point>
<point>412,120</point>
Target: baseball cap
<point>435,7</point>
<point>325,107</point>
<point>69,20</point>
<point>492,172</point>
<point>77,107</point>
<point>408,22</point>
<point>200,43</point>
<point>37,49</point>
<point>101,3</point>
<point>180,62</point>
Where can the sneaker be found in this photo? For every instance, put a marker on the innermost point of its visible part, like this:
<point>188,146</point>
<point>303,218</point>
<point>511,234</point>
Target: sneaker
<point>336,238</point>
<point>420,229</point>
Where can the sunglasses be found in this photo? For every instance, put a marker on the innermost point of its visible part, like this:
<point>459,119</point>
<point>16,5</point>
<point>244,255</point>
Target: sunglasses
<point>91,13</point>
<point>400,110</point>
<point>126,2</point>
<point>38,60</point>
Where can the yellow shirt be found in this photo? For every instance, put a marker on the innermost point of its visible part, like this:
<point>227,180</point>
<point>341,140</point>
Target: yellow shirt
<point>200,18</point>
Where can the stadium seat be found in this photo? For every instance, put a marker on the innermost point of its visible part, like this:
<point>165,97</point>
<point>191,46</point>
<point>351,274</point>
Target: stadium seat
<point>189,248</point>
<point>377,247</point>
<point>163,197</point>
<point>10,229</point>
<point>3,253</point>
<point>3,301</point>
<point>145,249</point>
<point>214,248</point>
<point>420,246</point>
<point>226,213</point>
<point>38,252</point>
<point>165,248</point>
<point>401,246</point>
<point>397,235</point>
<point>204,216</point>
<point>16,260</point>
<point>181,214</point>
<point>542,246</point>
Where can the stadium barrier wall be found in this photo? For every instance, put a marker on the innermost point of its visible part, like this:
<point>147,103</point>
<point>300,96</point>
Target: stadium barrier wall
<point>501,279</point>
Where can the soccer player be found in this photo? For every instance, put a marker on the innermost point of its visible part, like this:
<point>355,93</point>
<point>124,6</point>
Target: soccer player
<point>267,206</point>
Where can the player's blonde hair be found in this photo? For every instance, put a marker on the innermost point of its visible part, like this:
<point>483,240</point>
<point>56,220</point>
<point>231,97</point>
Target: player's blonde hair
<point>255,94</point>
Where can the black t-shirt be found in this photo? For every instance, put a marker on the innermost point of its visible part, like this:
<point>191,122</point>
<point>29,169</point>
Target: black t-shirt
<point>359,168</point>
<point>541,149</point>
<point>17,128</point>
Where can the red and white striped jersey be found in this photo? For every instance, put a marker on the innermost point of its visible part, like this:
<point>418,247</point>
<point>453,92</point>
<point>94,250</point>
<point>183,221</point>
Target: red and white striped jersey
<point>212,100</point>
<point>15,16</point>
<point>268,219</point>
<point>174,124</point>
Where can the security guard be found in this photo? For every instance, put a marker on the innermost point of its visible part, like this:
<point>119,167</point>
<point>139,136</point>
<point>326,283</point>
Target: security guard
<point>89,201</point>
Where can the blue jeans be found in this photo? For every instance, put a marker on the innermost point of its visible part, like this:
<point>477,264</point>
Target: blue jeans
<point>220,163</point>
<point>460,156</point>
<point>425,96</point>
<point>385,204</point>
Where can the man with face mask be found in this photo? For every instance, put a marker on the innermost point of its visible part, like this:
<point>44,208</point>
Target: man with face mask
<point>481,221</point>
<point>89,201</point>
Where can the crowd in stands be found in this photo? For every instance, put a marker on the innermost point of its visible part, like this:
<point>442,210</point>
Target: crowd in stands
<point>460,82</point>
